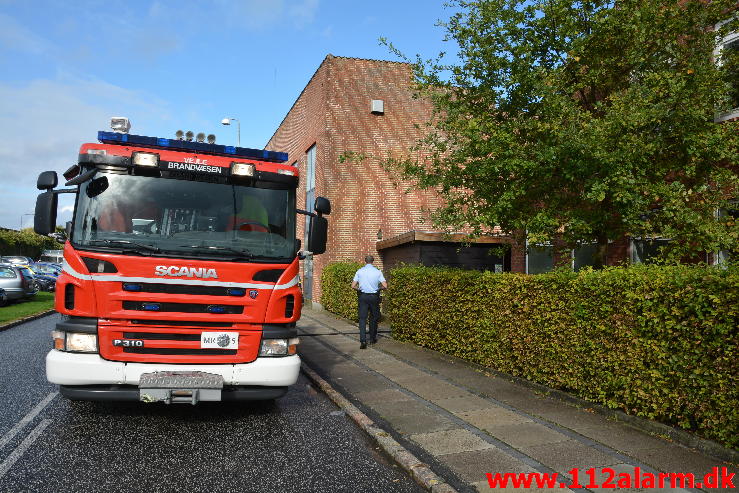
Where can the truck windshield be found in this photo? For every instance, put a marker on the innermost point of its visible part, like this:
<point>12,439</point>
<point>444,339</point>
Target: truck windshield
<point>141,215</point>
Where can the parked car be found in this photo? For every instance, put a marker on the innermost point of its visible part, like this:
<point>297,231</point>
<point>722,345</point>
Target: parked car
<point>3,297</point>
<point>45,275</point>
<point>16,260</point>
<point>53,256</point>
<point>17,282</point>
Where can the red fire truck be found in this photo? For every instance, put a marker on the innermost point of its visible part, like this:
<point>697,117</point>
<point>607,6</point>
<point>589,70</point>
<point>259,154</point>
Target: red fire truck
<point>180,278</point>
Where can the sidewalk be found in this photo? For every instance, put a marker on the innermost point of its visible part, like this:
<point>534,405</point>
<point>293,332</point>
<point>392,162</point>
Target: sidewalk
<point>464,423</point>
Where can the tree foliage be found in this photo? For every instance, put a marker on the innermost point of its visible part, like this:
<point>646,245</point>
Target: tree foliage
<point>584,121</point>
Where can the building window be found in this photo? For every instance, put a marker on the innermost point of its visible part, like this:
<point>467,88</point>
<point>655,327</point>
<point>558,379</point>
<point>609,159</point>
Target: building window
<point>727,53</point>
<point>646,251</point>
<point>583,256</point>
<point>725,256</point>
<point>539,259</point>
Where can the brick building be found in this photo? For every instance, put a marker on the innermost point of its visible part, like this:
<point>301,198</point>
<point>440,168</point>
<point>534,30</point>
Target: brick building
<point>364,107</point>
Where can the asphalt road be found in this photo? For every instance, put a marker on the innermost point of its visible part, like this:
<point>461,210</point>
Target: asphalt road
<point>302,443</point>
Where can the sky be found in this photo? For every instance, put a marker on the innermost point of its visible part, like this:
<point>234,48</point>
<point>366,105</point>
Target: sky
<point>66,67</point>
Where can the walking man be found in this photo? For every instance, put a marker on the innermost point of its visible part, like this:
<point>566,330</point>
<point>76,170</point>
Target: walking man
<point>368,281</point>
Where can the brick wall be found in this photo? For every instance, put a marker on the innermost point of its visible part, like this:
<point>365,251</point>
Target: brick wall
<point>333,112</point>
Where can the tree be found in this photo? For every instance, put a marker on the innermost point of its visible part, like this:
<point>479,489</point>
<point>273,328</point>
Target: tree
<point>584,121</point>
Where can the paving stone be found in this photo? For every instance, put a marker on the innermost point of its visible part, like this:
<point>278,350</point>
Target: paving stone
<point>383,396</point>
<point>525,434</point>
<point>492,416</point>
<point>401,372</point>
<point>450,442</point>
<point>567,455</point>
<point>401,408</point>
<point>456,405</point>
<point>676,458</point>
<point>411,424</point>
<point>429,387</point>
<point>472,466</point>
<point>361,382</point>
<point>621,437</point>
<point>484,486</point>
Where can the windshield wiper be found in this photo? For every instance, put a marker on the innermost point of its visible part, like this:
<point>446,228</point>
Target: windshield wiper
<point>128,243</point>
<point>213,248</point>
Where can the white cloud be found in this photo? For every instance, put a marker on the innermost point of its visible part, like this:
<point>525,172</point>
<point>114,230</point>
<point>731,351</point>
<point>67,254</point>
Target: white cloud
<point>15,37</point>
<point>303,12</point>
<point>42,125</point>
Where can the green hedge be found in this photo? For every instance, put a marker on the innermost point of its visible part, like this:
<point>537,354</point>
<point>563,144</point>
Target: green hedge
<point>336,287</point>
<point>658,342</point>
<point>26,243</point>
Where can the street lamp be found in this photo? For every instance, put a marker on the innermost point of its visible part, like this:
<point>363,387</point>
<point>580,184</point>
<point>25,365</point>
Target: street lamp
<point>227,121</point>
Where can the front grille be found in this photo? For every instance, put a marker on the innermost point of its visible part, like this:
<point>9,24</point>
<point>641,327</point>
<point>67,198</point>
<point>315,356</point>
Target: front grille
<point>183,289</point>
<point>180,352</point>
<point>153,336</point>
<point>178,323</point>
<point>179,307</point>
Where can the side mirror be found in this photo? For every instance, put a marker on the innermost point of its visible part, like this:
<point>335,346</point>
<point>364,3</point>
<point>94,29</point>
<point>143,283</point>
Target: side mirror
<point>322,205</point>
<point>68,228</point>
<point>47,180</point>
<point>297,246</point>
<point>44,219</point>
<point>317,234</point>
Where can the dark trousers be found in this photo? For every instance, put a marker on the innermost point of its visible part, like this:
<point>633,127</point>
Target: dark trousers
<point>368,303</point>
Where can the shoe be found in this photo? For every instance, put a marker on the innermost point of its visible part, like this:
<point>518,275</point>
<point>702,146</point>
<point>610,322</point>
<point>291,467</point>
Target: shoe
<point>363,345</point>
<point>373,341</point>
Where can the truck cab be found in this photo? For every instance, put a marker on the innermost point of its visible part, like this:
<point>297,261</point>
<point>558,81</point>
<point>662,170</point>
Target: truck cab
<point>180,277</point>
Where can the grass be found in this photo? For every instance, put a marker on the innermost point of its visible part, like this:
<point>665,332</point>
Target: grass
<point>41,302</point>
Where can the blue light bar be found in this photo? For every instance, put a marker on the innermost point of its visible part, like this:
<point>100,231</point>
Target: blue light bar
<point>183,145</point>
<point>216,309</point>
<point>152,307</point>
<point>128,286</point>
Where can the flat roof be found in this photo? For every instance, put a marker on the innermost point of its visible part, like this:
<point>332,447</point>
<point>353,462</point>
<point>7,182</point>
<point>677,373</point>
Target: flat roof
<point>413,236</point>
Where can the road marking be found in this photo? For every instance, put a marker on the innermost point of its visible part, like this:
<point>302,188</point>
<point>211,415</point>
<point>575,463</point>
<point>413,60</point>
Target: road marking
<point>24,445</point>
<point>26,419</point>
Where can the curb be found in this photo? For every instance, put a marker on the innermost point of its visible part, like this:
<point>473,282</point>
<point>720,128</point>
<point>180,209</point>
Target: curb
<point>419,471</point>
<point>26,319</point>
<point>674,434</point>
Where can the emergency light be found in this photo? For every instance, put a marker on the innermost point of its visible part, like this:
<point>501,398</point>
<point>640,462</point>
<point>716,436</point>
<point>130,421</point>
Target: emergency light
<point>184,145</point>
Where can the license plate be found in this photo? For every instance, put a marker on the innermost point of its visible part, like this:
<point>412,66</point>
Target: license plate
<point>219,340</point>
<point>180,380</point>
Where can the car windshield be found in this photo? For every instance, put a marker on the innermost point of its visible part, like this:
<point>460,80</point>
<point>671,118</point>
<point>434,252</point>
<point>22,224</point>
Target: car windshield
<point>44,269</point>
<point>151,215</point>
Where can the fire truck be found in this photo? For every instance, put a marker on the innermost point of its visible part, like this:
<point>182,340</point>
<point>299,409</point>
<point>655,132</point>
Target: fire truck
<point>180,279</point>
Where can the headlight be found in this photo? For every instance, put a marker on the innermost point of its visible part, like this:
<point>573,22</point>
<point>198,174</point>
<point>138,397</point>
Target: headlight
<point>82,343</point>
<point>145,159</point>
<point>279,347</point>
<point>242,169</point>
<point>273,347</point>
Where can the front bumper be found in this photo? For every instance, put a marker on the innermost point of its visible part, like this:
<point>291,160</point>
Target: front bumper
<point>74,369</point>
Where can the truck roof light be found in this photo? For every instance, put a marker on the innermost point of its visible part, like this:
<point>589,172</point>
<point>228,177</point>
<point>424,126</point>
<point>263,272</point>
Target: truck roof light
<point>120,124</point>
<point>211,139</point>
<point>189,135</point>
<point>242,169</point>
<point>180,135</point>
<point>200,137</point>
<point>183,145</point>
<point>145,159</point>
